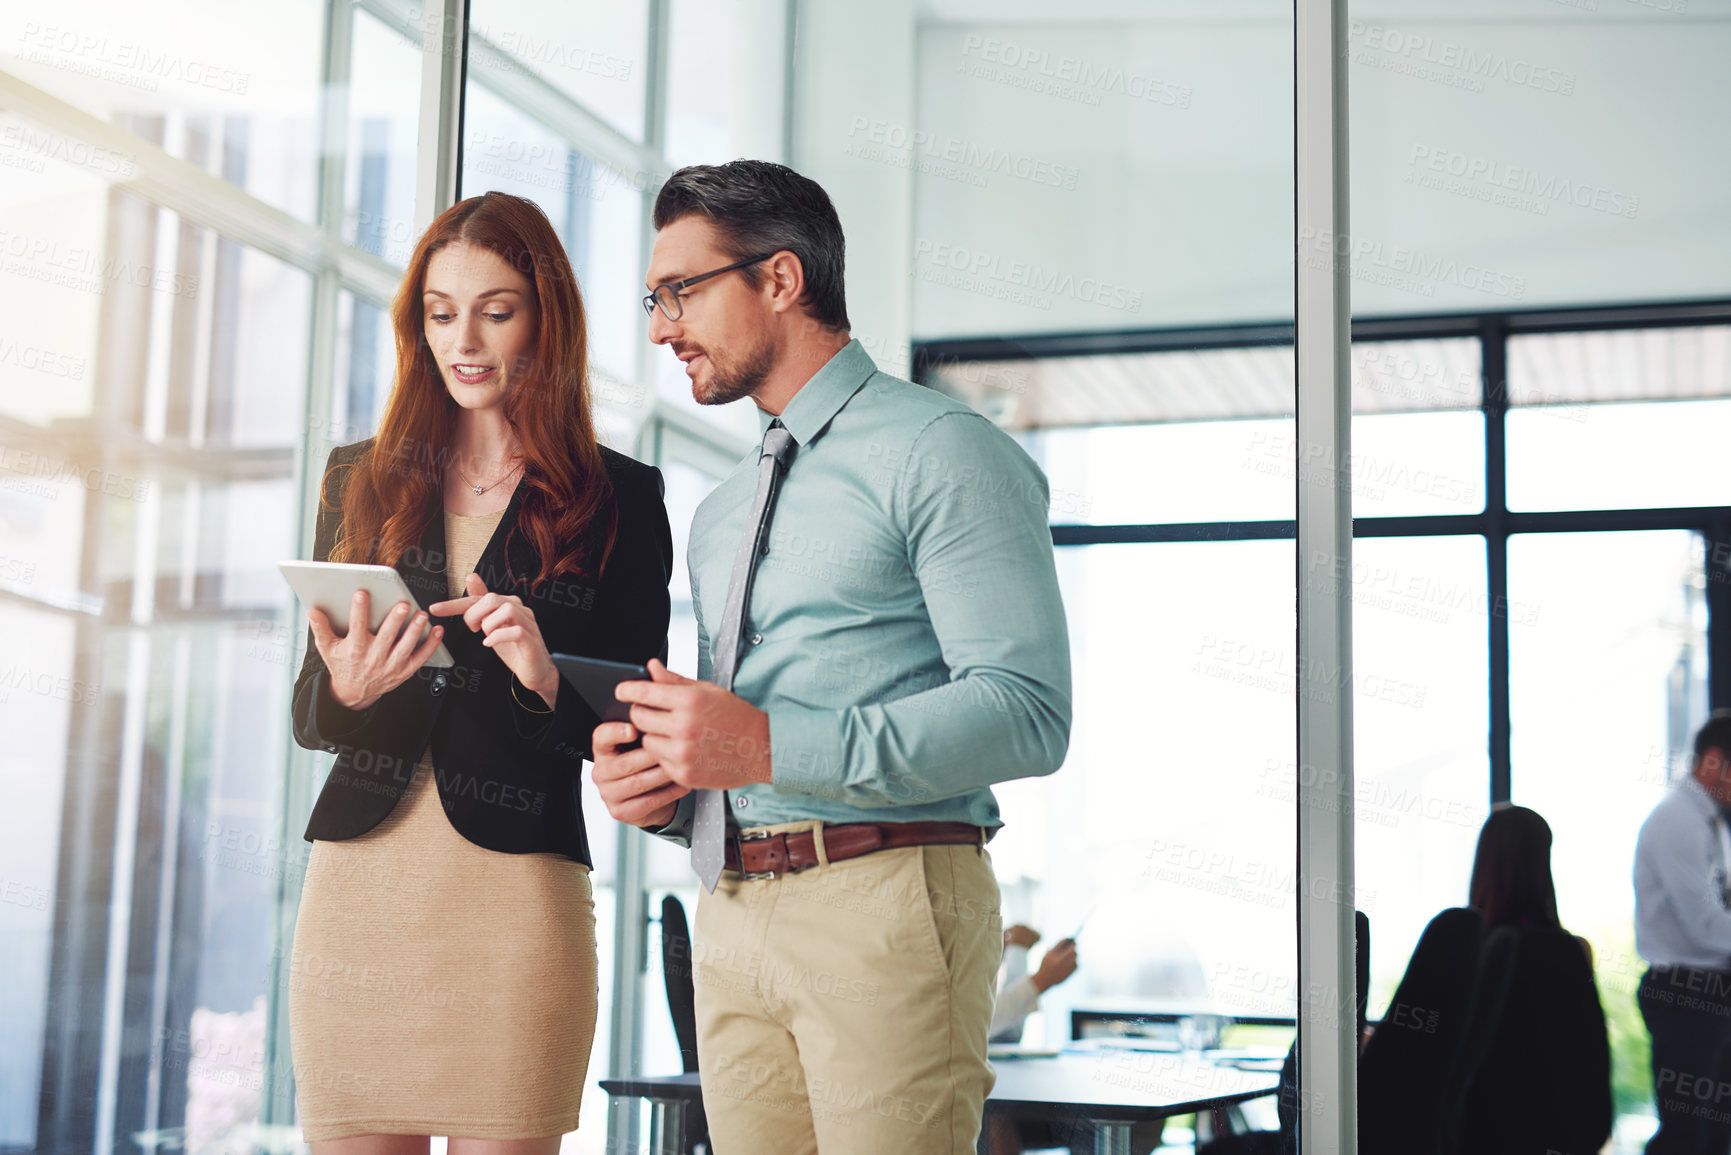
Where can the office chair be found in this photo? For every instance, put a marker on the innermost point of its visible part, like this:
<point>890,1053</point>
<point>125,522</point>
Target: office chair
<point>1414,1072</point>
<point>1540,1060</point>
<point>676,972</point>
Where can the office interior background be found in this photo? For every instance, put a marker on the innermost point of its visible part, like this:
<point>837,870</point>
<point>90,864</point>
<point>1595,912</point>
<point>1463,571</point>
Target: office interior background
<point>1077,217</point>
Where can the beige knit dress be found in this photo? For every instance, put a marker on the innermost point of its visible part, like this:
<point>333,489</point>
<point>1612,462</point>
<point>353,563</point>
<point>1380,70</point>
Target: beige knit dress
<point>436,987</point>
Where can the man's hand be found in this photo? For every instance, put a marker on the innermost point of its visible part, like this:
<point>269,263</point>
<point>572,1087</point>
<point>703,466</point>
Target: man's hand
<point>1019,935</point>
<point>634,787</point>
<point>510,631</point>
<point>703,737</point>
<point>365,666</point>
<point>1058,965</point>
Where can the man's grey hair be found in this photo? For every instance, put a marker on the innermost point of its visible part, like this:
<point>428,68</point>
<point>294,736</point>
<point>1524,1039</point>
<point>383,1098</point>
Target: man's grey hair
<point>758,207</point>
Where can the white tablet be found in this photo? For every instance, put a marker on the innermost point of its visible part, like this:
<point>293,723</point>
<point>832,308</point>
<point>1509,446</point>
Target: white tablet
<point>330,586</point>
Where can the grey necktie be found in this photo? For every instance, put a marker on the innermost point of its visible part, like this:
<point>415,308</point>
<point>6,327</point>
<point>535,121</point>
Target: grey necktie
<point>1722,869</point>
<point>709,820</point>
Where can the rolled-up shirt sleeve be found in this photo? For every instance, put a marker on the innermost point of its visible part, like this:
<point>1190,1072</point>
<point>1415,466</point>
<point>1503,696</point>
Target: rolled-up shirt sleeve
<point>980,545</point>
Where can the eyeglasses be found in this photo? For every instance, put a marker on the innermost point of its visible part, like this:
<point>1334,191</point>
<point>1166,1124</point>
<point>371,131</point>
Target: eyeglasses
<point>667,296</point>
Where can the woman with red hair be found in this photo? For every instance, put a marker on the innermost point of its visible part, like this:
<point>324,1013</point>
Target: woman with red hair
<point>443,979</point>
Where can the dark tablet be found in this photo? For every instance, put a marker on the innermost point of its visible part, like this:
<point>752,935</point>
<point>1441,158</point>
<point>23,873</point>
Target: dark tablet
<point>594,680</point>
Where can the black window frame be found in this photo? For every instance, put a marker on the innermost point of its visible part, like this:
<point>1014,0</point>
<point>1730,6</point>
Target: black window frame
<point>1495,524</point>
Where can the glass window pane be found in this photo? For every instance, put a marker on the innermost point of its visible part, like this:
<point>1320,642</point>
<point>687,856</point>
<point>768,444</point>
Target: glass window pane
<point>244,529</point>
<point>1123,388</point>
<point>365,371</point>
<point>1629,455</point>
<point>160,325</point>
<point>597,211</point>
<point>258,373</point>
<point>1607,687</point>
<point>506,149</point>
<point>1621,365</point>
<point>59,269</point>
<point>1401,376</point>
<point>40,705</point>
<point>230,88</point>
<point>383,139</point>
<point>1421,784</point>
<point>1172,647</point>
<point>1133,474</point>
<point>1062,165</point>
<point>587,52</point>
<point>1093,412</point>
<point>1409,464</point>
<point>604,242</point>
<point>700,79</point>
<point>157,374</point>
<point>686,488</point>
<point>604,836</point>
<point>1567,452</point>
<point>668,867</point>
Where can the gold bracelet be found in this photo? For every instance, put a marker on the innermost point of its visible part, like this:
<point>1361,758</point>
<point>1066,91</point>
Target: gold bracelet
<point>524,704</point>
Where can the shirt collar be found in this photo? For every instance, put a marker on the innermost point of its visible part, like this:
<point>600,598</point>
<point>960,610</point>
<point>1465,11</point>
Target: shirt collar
<point>821,397</point>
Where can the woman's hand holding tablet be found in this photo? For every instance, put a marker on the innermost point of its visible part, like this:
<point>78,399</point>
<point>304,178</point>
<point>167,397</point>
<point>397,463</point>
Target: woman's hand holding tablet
<point>365,665</point>
<point>385,636</point>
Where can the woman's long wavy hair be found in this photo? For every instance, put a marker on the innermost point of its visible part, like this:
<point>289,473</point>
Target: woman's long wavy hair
<point>1511,883</point>
<point>395,490</point>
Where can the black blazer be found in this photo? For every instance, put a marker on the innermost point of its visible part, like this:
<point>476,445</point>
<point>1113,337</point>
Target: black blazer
<point>508,776</point>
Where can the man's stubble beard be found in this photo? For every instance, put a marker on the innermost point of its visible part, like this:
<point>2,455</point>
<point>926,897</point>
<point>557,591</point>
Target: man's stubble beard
<point>730,383</point>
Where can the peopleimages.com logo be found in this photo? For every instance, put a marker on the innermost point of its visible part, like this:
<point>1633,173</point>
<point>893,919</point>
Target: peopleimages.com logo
<point>1519,186</point>
<point>1449,62</point>
<point>970,268</point>
<point>133,64</point>
<point>1063,76</point>
<point>1401,267</point>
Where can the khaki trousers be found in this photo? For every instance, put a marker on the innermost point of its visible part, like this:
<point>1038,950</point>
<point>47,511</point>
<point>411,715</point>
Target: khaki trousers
<point>844,1009</point>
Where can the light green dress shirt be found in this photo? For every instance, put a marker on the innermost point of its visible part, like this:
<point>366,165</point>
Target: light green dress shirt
<point>905,633</point>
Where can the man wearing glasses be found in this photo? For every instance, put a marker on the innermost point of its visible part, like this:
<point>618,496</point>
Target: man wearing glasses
<point>880,638</point>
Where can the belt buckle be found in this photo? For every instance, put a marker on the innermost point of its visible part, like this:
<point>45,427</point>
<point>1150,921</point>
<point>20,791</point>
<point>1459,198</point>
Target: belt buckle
<point>758,835</point>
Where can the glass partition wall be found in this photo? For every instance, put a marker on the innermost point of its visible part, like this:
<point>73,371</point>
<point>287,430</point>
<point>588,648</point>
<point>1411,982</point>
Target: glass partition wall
<point>1569,676</point>
<point>1539,375</point>
<point>1518,160</point>
<point>187,204</point>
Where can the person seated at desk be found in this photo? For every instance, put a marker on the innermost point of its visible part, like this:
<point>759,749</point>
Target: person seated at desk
<point>1495,1041</point>
<point>1018,991</point>
<point>1018,996</point>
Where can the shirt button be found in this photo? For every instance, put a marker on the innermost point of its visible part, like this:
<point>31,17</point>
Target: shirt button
<point>742,802</point>
<point>757,639</point>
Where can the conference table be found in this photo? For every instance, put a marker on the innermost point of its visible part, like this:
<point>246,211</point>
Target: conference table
<point>1136,1016</point>
<point>1110,1087</point>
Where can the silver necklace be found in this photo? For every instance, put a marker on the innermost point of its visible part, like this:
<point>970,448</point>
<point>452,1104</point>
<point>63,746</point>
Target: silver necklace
<point>478,490</point>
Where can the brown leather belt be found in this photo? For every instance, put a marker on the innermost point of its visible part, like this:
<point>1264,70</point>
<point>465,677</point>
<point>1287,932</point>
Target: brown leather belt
<point>767,855</point>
